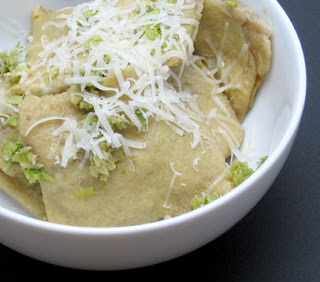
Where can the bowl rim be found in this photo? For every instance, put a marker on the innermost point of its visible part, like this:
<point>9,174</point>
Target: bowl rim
<point>287,137</point>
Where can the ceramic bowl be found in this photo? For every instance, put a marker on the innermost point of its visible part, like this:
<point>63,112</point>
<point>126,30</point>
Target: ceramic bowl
<point>273,122</point>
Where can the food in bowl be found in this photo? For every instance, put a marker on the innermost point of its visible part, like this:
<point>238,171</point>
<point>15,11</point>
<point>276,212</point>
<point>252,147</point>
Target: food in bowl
<point>119,113</point>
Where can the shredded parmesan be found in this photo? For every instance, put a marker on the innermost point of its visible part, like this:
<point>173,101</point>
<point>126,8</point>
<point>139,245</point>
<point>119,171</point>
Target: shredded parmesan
<point>104,38</point>
<point>172,181</point>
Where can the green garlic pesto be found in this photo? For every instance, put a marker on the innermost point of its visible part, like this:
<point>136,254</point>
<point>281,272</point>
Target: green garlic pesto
<point>12,120</point>
<point>239,172</point>
<point>16,152</point>
<point>100,168</point>
<point>12,64</point>
<point>231,3</point>
<point>84,192</point>
<point>198,202</point>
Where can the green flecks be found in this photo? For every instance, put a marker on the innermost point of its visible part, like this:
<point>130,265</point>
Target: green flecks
<point>84,192</point>
<point>3,66</point>
<point>261,161</point>
<point>54,72</point>
<point>141,116</point>
<point>14,58</point>
<point>106,58</point>
<point>152,32</point>
<point>118,122</point>
<point>100,167</point>
<point>15,99</point>
<point>13,119</point>
<point>239,172</point>
<point>16,152</point>
<point>9,149</point>
<point>79,102</point>
<point>198,201</point>
<point>89,13</point>
<point>14,75</point>
<point>153,10</point>
<point>35,175</point>
<point>93,40</point>
<point>12,64</point>
<point>231,3</point>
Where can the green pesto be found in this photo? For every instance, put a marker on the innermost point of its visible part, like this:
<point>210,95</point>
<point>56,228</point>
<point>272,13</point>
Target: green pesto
<point>261,161</point>
<point>13,120</point>
<point>89,13</point>
<point>118,122</point>
<point>231,3</point>
<point>100,168</point>
<point>84,192</point>
<point>15,99</point>
<point>239,172</point>
<point>79,102</point>
<point>54,72</point>
<point>141,116</point>
<point>16,152</point>
<point>14,75</point>
<point>152,32</point>
<point>198,202</point>
<point>94,39</point>
<point>12,59</point>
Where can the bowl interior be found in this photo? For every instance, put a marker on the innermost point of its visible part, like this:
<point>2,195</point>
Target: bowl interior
<point>272,122</point>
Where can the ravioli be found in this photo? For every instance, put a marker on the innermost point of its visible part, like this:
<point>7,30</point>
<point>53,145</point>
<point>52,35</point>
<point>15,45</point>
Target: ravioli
<point>130,111</point>
<point>237,42</point>
<point>128,197</point>
<point>50,65</point>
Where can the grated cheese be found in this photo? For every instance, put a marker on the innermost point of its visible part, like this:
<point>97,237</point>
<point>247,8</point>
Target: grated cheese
<point>105,29</point>
<point>172,181</point>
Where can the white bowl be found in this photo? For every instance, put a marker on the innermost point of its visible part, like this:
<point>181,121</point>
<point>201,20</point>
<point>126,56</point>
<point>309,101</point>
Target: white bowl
<point>274,122</point>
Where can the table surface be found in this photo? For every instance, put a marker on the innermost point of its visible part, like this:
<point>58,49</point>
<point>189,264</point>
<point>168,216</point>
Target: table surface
<point>279,239</point>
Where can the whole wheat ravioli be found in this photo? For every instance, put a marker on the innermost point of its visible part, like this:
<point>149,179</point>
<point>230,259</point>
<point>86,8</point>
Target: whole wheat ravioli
<point>49,65</point>
<point>127,197</point>
<point>237,42</point>
<point>111,157</point>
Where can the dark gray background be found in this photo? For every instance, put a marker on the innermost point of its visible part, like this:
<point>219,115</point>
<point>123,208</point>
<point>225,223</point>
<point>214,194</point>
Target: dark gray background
<point>279,240</point>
